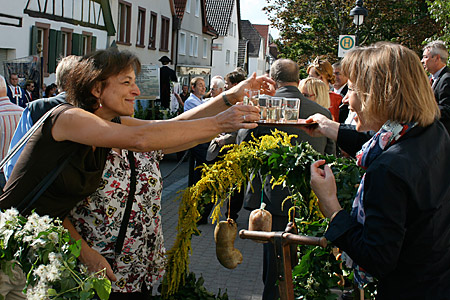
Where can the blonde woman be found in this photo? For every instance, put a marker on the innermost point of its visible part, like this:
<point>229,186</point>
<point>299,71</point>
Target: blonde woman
<point>323,70</point>
<point>315,90</point>
<point>403,202</point>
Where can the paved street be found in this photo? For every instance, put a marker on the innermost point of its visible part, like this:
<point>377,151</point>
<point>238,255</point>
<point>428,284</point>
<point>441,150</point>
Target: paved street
<point>242,283</point>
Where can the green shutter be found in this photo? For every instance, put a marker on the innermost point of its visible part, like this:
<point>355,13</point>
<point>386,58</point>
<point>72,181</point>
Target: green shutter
<point>59,45</point>
<point>33,40</point>
<point>77,44</point>
<point>94,43</point>
<point>52,51</point>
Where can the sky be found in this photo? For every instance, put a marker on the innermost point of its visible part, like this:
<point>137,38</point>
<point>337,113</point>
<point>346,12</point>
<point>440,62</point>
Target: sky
<point>252,10</point>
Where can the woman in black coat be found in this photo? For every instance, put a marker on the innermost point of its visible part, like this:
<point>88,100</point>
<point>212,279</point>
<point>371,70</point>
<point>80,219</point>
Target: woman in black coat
<point>398,230</point>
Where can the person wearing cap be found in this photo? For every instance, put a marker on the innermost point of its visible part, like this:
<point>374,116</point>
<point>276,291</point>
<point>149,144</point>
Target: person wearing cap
<point>166,75</point>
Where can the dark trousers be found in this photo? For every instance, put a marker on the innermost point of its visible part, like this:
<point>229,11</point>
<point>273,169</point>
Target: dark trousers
<point>198,158</point>
<point>2,182</point>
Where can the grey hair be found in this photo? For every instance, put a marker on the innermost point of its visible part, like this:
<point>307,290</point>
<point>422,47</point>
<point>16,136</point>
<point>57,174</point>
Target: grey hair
<point>65,65</point>
<point>438,47</point>
<point>284,70</point>
<point>218,82</point>
<point>2,82</point>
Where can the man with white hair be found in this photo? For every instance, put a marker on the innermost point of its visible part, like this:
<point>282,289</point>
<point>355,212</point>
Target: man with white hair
<point>9,118</point>
<point>217,86</point>
<point>434,60</point>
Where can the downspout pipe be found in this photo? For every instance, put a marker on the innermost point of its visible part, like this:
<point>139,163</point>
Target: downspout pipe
<point>212,51</point>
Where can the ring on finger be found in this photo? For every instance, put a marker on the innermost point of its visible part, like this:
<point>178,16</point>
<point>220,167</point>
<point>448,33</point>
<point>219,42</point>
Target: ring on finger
<point>244,118</point>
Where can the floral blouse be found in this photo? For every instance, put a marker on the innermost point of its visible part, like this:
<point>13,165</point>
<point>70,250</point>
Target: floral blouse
<point>98,219</point>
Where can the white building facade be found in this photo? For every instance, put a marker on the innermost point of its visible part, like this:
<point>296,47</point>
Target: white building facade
<point>224,16</point>
<point>57,28</point>
<point>144,28</point>
<point>194,41</point>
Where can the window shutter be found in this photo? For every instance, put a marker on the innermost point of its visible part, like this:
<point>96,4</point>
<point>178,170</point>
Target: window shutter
<point>93,43</point>
<point>77,44</point>
<point>52,45</point>
<point>59,45</point>
<point>33,41</point>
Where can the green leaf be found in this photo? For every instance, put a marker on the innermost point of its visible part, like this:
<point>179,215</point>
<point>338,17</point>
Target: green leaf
<point>303,268</point>
<point>102,287</point>
<point>52,292</point>
<point>84,295</point>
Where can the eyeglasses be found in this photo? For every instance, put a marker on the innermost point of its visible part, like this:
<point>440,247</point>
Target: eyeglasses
<point>308,95</point>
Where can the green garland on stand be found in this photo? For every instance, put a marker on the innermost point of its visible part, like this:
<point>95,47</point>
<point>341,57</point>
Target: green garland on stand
<point>289,166</point>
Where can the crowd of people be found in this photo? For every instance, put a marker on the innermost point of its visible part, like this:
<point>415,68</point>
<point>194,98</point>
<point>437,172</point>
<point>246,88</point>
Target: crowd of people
<point>377,105</point>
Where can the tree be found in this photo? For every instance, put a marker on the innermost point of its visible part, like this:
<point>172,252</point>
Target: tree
<point>440,12</point>
<point>309,28</point>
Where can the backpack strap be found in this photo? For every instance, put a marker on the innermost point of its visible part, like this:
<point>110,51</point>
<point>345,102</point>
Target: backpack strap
<point>26,137</point>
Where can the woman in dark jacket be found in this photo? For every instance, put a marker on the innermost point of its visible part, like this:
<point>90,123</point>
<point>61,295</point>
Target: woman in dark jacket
<point>398,230</point>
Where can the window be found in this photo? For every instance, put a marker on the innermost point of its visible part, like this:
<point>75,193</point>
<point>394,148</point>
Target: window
<point>197,8</point>
<point>205,48</point>
<point>165,34</point>
<point>124,23</point>
<point>188,6</point>
<point>42,37</point>
<point>87,43</point>
<point>230,31</point>
<point>235,58</point>
<point>227,57</point>
<point>182,44</point>
<point>140,35</point>
<point>196,46</point>
<point>191,46</point>
<point>234,30</point>
<point>152,31</point>
<point>66,41</point>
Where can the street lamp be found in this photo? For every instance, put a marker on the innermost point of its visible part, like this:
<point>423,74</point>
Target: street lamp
<point>358,13</point>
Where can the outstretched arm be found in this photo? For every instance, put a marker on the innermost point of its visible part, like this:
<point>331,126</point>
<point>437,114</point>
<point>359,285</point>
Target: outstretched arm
<point>82,127</point>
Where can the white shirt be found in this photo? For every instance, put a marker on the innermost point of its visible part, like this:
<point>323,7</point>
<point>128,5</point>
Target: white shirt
<point>338,91</point>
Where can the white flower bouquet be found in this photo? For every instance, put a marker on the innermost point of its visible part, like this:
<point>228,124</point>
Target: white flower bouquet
<point>47,255</point>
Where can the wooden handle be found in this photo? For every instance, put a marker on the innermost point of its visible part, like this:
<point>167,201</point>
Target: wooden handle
<point>288,238</point>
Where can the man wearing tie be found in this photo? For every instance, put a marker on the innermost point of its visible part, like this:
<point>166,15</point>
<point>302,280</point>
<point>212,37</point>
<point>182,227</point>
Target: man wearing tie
<point>15,93</point>
<point>434,60</point>
<point>29,89</point>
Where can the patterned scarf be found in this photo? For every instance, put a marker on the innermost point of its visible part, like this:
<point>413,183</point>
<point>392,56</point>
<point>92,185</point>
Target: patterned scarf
<point>388,135</point>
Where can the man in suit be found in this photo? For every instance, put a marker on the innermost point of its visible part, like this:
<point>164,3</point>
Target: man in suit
<point>29,89</point>
<point>167,75</point>
<point>15,93</point>
<point>285,73</point>
<point>434,60</point>
<point>340,87</point>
